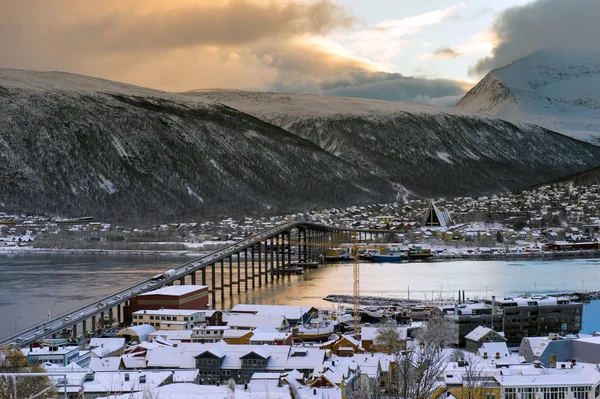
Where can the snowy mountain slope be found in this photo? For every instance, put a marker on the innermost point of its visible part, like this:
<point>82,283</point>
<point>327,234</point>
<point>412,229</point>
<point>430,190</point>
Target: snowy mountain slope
<point>430,151</point>
<point>556,89</point>
<point>73,145</point>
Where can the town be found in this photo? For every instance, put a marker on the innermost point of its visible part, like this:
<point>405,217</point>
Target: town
<point>512,224</point>
<point>169,344</point>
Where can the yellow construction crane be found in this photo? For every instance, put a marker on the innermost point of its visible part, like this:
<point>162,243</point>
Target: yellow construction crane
<point>356,291</point>
<point>355,279</point>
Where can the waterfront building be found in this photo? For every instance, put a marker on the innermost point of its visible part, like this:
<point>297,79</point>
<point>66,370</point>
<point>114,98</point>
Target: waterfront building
<point>533,316</point>
<point>467,317</point>
<point>169,319</point>
<point>194,297</point>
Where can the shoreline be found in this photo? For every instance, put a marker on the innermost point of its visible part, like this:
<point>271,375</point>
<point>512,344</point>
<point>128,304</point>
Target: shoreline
<point>111,252</point>
<point>443,256</point>
<point>370,300</point>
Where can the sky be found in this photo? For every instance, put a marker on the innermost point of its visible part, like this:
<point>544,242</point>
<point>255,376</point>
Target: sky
<point>428,51</point>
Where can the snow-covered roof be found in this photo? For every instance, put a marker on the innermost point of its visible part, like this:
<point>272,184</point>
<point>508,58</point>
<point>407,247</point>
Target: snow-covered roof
<point>105,364</point>
<point>253,320</point>
<point>172,335</point>
<point>289,312</point>
<point>491,348</point>
<point>102,346</point>
<point>141,331</point>
<point>176,290</point>
<point>478,333</point>
<point>169,312</point>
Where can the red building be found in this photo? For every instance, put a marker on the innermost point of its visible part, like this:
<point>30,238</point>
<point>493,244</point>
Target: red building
<point>192,297</point>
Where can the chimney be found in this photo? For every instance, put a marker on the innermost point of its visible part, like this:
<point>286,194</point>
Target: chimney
<point>485,355</point>
<point>463,301</point>
<point>497,355</point>
<point>493,309</point>
<point>459,297</point>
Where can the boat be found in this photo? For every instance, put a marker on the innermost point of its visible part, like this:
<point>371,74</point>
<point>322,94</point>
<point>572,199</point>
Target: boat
<point>418,252</point>
<point>389,256</point>
<point>315,331</point>
<point>337,254</point>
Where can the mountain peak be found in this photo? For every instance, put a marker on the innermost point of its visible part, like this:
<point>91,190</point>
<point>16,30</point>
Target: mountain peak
<point>553,88</point>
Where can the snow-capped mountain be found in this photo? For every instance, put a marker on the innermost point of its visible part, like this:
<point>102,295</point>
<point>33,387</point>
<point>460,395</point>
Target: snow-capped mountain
<point>427,150</point>
<point>74,145</point>
<point>556,89</point>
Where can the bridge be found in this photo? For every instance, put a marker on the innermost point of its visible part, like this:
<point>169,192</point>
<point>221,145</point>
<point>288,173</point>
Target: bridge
<point>259,259</point>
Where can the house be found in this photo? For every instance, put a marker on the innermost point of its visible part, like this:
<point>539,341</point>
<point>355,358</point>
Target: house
<point>237,337</point>
<point>252,321</point>
<point>476,338</point>
<point>343,346</point>
<point>220,362</point>
<point>105,347</point>
<point>368,337</point>
<point>267,335</point>
<point>209,334</point>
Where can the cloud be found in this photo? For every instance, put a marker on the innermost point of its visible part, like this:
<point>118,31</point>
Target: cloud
<point>445,52</point>
<point>180,45</point>
<point>542,24</point>
<point>393,87</point>
<point>385,40</point>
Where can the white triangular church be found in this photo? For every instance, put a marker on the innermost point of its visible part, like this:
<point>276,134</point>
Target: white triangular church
<point>436,217</point>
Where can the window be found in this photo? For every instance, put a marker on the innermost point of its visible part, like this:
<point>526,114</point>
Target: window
<point>580,392</point>
<point>554,392</point>
<point>185,319</point>
<point>151,317</point>
<point>509,393</point>
<point>527,393</point>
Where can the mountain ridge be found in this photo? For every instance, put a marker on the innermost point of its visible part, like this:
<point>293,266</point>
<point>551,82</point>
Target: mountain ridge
<point>73,145</point>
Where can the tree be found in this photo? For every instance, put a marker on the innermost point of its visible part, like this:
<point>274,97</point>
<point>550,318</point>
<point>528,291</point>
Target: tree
<point>456,355</point>
<point>473,381</point>
<point>419,367</point>
<point>388,339</point>
<point>418,370</point>
<point>439,332</point>
<point>13,361</point>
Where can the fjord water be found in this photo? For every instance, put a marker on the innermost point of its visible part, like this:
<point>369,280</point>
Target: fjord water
<point>31,285</point>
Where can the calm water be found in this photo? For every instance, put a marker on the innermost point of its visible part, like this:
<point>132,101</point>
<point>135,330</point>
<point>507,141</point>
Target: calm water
<point>33,285</point>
